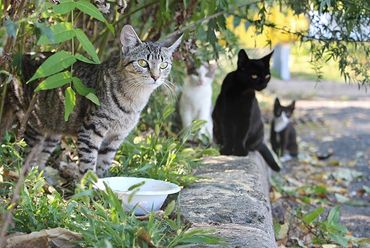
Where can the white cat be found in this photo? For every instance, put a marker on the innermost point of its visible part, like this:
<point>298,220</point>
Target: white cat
<point>196,98</point>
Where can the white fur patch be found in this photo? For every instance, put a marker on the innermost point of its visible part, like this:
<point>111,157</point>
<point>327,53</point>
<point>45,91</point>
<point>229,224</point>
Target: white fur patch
<point>285,158</point>
<point>281,122</point>
<point>196,100</point>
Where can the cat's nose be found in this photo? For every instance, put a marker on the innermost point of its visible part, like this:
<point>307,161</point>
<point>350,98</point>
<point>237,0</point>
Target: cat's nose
<point>155,77</point>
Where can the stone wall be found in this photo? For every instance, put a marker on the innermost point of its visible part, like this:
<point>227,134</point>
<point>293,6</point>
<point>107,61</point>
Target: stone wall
<point>232,198</point>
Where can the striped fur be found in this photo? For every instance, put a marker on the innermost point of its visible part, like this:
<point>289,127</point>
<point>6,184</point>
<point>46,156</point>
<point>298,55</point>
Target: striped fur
<point>123,87</point>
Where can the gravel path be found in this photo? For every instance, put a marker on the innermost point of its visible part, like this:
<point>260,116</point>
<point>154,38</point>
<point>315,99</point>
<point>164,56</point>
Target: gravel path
<point>346,132</point>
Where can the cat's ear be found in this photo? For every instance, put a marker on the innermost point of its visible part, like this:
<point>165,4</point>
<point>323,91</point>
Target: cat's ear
<point>277,105</point>
<point>172,42</point>
<point>267,58</point>
<point>211,69</point>
<point>242,58</point>
<point>129,38</point>
<point>292,105</point>
<point>277,102</point>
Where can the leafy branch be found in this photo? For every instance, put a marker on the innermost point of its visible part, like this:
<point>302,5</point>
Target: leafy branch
<point>53,68</point>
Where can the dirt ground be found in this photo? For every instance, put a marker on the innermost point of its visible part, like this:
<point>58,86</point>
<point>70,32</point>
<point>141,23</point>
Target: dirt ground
<point>339,124</point>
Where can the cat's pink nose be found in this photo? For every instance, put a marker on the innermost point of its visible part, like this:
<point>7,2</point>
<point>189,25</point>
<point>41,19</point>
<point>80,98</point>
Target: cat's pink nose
<point>155,77</point>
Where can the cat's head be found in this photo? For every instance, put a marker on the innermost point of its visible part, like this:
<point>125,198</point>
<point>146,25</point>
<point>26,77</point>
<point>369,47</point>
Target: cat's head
<point>147,64</point>
<point>280,110</point>
<point>203,75</point>
<point>254,72</point>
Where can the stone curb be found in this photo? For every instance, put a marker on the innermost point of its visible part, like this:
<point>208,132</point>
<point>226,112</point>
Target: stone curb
<point>232,198</point>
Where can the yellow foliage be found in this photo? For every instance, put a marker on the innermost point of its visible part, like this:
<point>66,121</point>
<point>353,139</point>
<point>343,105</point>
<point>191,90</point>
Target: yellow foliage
<point>250,38</point>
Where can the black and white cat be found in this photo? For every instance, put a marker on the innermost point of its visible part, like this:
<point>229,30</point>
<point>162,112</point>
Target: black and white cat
<point>196,98</point>
<point>283,135</point>
<point>238,127</point>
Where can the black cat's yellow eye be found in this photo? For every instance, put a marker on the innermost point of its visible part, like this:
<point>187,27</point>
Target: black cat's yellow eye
<point>267,76</point>
<point>163,65</point>
<point>254,76</point>
<point>143,63</point>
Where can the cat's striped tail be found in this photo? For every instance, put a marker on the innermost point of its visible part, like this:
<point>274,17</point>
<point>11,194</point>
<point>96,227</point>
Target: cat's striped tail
<point>267,154</point>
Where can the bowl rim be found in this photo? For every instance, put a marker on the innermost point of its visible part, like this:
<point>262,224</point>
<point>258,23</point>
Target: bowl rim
<point>174,187</point>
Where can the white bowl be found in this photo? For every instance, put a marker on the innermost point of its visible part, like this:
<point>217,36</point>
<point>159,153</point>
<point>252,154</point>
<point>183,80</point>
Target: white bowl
<point>148,197</point>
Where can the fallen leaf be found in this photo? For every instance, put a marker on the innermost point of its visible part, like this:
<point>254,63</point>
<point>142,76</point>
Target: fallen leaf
<point>346,174</point>
<point>334,162</point>
<point>341,198</point>
<point>56,237</point>
<point>281,231</point>
<point>366,188</point>
<point>329,246</point>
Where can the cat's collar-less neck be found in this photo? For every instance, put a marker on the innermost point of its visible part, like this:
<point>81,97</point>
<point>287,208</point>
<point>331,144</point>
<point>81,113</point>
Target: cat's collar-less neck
<point>248,92</point>
<point>281,122</point>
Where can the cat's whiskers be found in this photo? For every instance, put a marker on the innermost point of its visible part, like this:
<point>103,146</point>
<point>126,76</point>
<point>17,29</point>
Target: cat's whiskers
<point>170,87</point>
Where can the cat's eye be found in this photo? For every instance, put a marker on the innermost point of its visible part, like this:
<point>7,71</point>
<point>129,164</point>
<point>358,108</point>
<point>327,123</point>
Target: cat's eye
<point>143,63</point>
<point>163,65</point>
<point>254,76</point>
<point>267,76</point>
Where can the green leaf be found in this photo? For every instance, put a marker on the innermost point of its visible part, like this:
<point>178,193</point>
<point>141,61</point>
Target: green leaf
<point>168,111</point>
<point>69,102</point>
<point>85,91</point>
<point>55,81</point>
<point>221,22</point>
<point>45,31</point>
<point>92,97</point>
<point>310,217</point>
<point>90,9</point>
<point>334,216</point>
<point>366,188</point>
<point>339,239</point>
<point>169,209</point>
<point>87,45</point>
<point>200,236</point>
<point>11,28</point>
<point>236,21</point>
<point>82,58</point>
<point>55,63</point>
<point>211,35</point>
<point>80,87</point>
<point>131,195</point>
<point>84,193</point>
<point>61,32</point>
<point>137,185</point>
<point>110,27</point>
<point>65,6</point>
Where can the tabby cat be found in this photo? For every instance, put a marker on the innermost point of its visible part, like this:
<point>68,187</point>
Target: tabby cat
<point>238,127</point>
<point>123,85</point>
<point>283,136</point>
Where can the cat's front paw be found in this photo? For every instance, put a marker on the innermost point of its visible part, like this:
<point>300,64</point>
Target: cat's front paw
<point>286,158</point>
<point>240,152</point>
<point>226,151</point>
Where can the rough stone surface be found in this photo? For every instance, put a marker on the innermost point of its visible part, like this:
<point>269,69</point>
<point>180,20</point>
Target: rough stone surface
<point>232,198</point>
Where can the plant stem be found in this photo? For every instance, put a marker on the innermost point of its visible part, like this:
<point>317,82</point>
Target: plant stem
<point>3,94</point>
<point>208,18</point>
<point>72,42</point>
<point>123,18</point>
<point>7,218</point>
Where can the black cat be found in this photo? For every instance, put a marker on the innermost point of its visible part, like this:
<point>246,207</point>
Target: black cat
<point>238,127</point>
<point>283,136</point>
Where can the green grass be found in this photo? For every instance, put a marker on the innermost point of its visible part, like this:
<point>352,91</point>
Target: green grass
<point>99,216</point>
